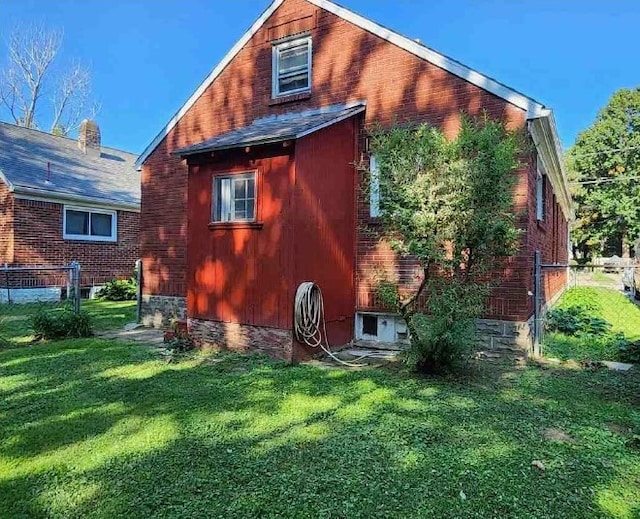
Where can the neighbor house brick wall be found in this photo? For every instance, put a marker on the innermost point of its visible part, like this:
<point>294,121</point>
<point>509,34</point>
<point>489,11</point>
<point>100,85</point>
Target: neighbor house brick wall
<point>6,224</point>
<point>39,241</point>
<point>349,64</point>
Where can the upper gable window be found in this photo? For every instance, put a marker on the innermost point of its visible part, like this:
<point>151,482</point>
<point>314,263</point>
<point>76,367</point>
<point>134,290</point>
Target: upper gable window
<point>292,67</point>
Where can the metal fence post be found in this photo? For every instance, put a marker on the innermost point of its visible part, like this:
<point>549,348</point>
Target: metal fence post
<point>6,277</point>
<point>537,298</point>
<point>138,290</point>
<point>76,286</point>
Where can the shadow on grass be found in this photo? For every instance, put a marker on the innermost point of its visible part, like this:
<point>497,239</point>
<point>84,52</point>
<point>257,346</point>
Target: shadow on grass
<point>93,428</point>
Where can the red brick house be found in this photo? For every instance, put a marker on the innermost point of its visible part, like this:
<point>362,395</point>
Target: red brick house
<point>63,200</point>
<point>255,184</point>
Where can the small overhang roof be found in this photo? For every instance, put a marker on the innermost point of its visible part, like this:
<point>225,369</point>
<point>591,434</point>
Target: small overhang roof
<point>275,128</point>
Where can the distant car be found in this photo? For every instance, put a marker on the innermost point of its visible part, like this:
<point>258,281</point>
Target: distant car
<point>613,264</point>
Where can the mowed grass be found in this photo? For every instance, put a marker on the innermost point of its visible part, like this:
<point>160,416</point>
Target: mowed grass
<point>97,428</point>
<point>15,320</point>
<point>610,305</point>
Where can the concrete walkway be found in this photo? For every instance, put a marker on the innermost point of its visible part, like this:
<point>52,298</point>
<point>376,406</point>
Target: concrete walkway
<point>134,332</point>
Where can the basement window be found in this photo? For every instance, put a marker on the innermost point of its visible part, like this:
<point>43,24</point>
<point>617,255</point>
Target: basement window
<point>234,197</point>
<point>292,67</point>
<point>370,325</point>
<point>82,223</point>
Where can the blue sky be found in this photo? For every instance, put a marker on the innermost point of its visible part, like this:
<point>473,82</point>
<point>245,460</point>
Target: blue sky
<point>148,56</point>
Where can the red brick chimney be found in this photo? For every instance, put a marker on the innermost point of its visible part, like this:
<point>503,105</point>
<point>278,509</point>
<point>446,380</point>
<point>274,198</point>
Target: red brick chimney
<point>89,138</point>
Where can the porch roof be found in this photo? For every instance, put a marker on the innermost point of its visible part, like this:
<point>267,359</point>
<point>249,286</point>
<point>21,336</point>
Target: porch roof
<point>276,128</point>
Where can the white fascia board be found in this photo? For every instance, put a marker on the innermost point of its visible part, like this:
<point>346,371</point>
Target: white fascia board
<point>530,106</point>
<point>545,138</point>
<point>208,80</point>
<point>40,195</point>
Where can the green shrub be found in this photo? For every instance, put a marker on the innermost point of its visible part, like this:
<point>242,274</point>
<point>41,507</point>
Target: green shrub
<point>584,297</point>
<point>52,324</point>
<point>630,352</point>
<point>446,337</point>
<point>119,290</point>
<point>574,320</point>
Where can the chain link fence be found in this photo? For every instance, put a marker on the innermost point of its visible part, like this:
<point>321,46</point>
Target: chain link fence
<point>619,274</point>
<point>44,285</point>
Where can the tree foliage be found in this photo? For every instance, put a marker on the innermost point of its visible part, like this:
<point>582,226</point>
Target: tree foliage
<point>604,164</point>
<point>449,205</point>
<point>35,91</point>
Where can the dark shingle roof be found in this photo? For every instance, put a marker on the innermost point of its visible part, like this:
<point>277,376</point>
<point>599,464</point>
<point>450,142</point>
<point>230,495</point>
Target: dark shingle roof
<point>275,129</point>
<point>26,155</point>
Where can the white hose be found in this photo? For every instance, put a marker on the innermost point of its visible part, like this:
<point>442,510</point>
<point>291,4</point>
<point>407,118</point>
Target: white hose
<point>309,322</point>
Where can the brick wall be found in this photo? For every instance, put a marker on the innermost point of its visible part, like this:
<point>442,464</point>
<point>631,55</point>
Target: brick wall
<point>6,225</point>
<point>349,64</point>
<point>548,236</point>
<point>38,241</point>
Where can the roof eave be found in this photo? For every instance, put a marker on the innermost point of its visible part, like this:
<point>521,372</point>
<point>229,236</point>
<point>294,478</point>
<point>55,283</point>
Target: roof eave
<point>8,183</point>
<point>209,149</point>
<point>69,197</point>
<point>545,137</point>
<point>530,106</point>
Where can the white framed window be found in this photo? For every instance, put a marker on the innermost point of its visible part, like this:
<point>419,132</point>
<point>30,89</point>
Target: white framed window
<point>292,67</point>
<point>234,197</point>
<point>540,189</point>
<point>86,223</point>
<point>374,187</point>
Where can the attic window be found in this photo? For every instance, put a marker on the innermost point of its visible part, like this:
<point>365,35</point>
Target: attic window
<point>292,67</point>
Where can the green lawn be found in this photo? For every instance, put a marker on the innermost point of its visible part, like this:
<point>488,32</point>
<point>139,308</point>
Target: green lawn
<point>609,304</point>
<point>94,428</point>
<point>15,319</point>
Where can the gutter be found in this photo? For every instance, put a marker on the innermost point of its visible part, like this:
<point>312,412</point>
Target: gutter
<point>31,193</point>
<point>545,138</point>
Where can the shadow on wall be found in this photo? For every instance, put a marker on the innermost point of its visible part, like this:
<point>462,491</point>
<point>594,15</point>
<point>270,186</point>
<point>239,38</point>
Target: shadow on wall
<point>349,65</point>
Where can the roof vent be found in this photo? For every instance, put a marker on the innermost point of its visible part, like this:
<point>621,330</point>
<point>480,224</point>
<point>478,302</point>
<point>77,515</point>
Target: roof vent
<point>89,138</point>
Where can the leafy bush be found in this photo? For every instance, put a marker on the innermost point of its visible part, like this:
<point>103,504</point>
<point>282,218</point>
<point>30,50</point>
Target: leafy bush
<point>52,324</point>
<point>584,297</point>
<point>446,337</point>
<point>630,352</point>
<point>119,290</point>
<point>574,320</point>
<point>178,341</point>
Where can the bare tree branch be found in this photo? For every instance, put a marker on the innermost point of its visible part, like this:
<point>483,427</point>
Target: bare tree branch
<point>32,71</point>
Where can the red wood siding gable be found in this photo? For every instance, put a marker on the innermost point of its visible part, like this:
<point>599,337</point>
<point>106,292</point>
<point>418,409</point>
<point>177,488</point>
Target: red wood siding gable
<point>304,230</point>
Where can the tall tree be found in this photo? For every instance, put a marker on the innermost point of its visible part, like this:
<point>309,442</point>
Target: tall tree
<point>37,93</point>
<point>449,206</point>
<point>604,165</point>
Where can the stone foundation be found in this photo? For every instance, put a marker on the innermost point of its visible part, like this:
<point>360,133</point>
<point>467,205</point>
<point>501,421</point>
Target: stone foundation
<point>160,311</point>
<point>274,342</point>
<point>497,338</point>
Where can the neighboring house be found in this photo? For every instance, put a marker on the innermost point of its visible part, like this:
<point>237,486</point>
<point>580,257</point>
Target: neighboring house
<point>63,200</point>
<point>255,184</point>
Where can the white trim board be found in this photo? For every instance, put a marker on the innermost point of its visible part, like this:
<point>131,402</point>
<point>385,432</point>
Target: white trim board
<point>38,195</point>
<point>532,107</point>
